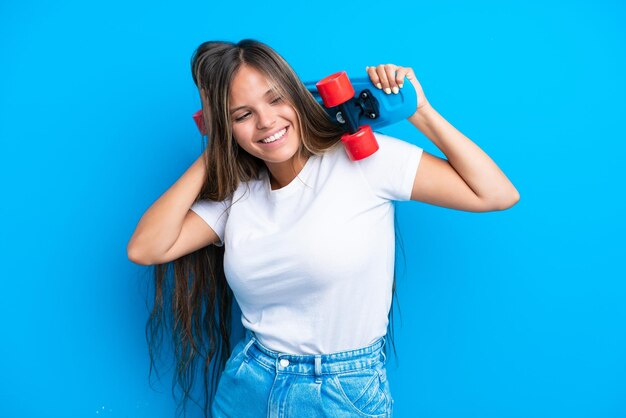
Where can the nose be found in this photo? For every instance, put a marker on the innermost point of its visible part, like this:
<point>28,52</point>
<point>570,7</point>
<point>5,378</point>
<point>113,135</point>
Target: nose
<point>267,118</point>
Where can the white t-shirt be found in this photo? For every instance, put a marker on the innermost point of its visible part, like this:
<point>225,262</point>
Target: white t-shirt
<point>311,264</point>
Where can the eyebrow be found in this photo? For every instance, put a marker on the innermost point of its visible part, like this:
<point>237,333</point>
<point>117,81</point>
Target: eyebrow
<point>241,107</point>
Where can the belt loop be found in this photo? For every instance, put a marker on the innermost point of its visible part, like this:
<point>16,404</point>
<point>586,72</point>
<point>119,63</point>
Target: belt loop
<point>318,368</point>
<point>245,350</point>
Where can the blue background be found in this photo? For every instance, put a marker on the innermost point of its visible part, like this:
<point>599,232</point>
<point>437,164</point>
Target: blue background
<point>519,313</point>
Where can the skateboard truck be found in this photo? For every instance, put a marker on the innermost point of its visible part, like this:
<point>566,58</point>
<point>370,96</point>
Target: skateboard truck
<point>368,105</point>
<point>336,91</point>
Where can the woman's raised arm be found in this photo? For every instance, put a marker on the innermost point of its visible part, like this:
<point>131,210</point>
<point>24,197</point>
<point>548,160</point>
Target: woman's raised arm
<point>169,229</point>
<point>469,179</point>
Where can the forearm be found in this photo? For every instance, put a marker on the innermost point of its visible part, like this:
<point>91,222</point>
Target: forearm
<point>476,168</point>
<point>160,225</point>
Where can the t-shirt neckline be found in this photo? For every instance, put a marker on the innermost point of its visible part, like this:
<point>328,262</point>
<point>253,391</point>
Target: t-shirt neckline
<point>295,184</point>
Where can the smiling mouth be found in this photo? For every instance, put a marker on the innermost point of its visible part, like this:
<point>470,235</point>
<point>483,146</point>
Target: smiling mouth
<point>286,128</point>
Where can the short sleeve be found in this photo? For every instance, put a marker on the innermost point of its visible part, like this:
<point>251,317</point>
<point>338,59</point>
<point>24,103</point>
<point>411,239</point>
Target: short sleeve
<point>390,171</point>
<point>215,214</point>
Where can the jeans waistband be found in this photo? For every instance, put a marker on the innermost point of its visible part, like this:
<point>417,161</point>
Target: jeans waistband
<point>315,364</point>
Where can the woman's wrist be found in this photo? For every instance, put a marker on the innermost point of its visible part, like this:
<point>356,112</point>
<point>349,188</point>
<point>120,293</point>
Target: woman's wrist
<point>422,115</point>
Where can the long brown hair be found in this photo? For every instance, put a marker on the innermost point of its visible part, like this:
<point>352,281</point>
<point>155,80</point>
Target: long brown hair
<point>192,299</point>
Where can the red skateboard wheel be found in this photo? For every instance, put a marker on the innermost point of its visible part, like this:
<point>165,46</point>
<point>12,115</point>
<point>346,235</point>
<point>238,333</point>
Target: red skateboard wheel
<point>360,144</point>
<point>197,117</point>
<point>335,89</point>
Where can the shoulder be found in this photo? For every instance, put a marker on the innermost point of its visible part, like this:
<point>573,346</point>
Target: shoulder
<point>390,171</point>
<point>388,141</point>
<point>391,150</point>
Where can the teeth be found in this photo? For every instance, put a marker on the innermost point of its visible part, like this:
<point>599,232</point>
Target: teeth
<point>274,137</point>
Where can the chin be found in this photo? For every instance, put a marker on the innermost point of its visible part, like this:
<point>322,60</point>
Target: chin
<point>278,155</point>
<point>284,158</point>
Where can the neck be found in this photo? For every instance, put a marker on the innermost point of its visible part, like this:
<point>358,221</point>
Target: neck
<point>281,174</point>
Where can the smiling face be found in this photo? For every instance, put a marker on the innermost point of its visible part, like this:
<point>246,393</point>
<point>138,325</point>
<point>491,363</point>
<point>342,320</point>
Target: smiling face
<point>264,123</point>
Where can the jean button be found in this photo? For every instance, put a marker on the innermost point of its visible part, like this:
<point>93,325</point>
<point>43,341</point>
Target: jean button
<point>284,362</point>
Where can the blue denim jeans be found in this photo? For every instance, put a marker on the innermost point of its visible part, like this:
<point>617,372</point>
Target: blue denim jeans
<point>261,383</point>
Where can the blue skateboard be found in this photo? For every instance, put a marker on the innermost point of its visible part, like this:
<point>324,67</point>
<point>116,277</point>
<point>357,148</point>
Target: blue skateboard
<point>357,105</point>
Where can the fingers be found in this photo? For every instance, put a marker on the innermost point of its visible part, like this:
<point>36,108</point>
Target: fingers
<point>389,77</point>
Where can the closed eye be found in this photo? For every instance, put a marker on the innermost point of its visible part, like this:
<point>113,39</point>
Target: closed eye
<point>245,115</point>
<point>242,117</point>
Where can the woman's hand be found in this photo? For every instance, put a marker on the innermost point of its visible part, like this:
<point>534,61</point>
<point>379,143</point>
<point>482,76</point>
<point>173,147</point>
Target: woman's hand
<point>390,78</point>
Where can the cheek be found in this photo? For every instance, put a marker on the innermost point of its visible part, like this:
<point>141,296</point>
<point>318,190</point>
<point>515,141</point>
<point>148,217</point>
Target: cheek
<point>242,137</point>
<point>239,142</point>
<point>238,133</point>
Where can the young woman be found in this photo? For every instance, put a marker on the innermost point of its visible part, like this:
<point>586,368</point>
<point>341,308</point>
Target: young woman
<point>275,214</point>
